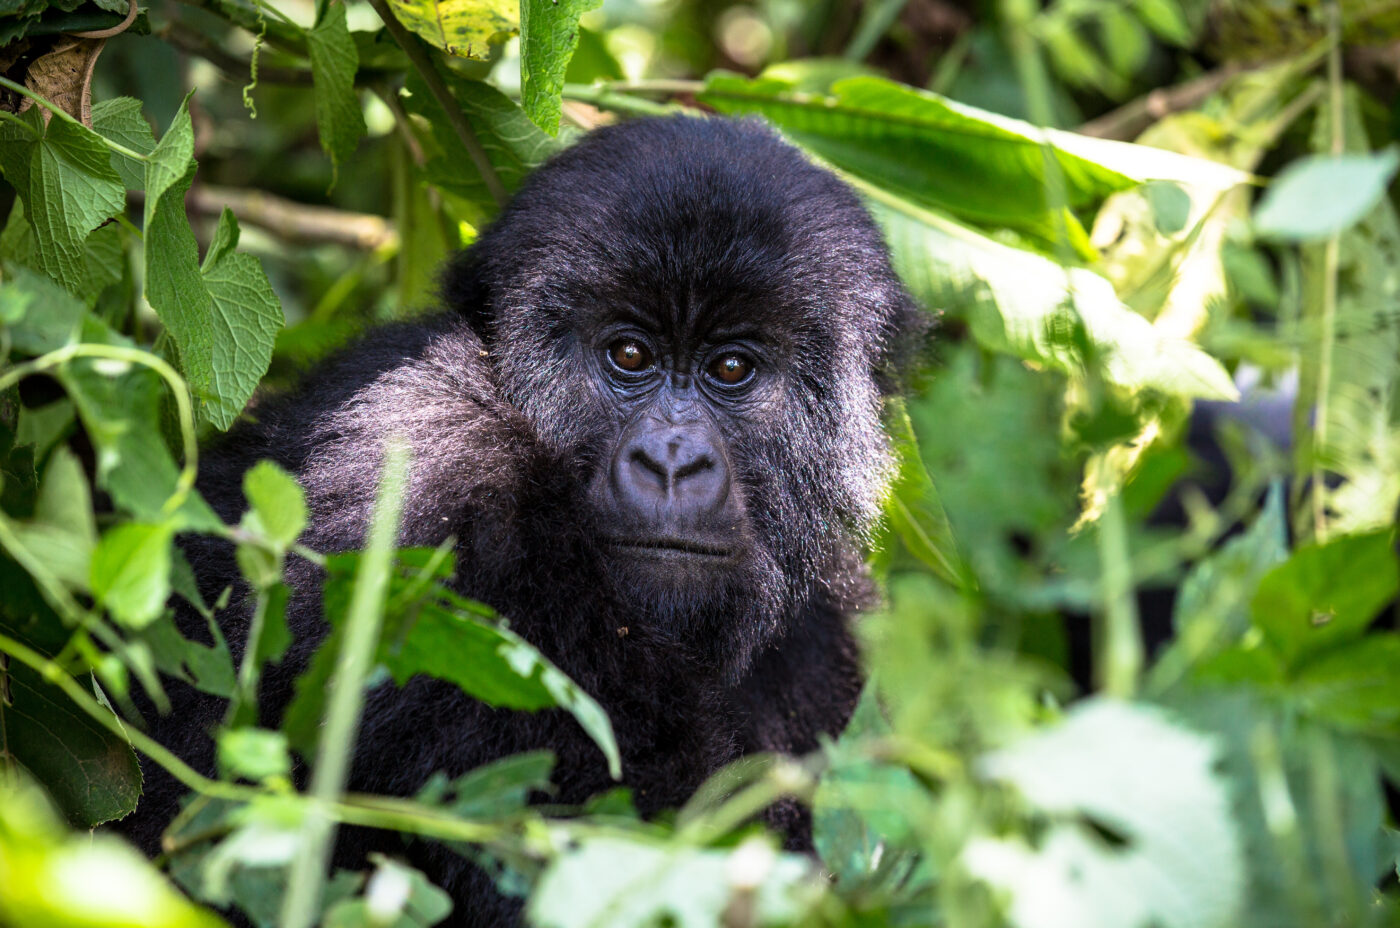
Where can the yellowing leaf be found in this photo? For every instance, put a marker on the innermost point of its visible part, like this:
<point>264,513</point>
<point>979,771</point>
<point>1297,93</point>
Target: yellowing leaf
<point>460,27</point>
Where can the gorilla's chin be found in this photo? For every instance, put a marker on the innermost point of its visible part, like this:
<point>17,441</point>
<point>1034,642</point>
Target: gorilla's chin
<point>719,605</point>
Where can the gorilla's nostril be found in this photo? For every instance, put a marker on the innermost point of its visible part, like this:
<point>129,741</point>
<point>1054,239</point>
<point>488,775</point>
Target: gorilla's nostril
<point>640,457</point>
<point>696,465</point>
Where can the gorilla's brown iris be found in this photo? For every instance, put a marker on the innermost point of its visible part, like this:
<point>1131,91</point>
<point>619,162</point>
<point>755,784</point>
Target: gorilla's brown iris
<point>731,369</point>
<point>630,355</point>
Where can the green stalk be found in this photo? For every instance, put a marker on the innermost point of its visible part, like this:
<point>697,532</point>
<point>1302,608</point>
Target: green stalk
<point>66,116</point>
<point>427,69</point>
<point>1331,262</point>
<point>1119,655</point>
<point>184,411</point>
<point>623,96</point>
<point>346,698</point>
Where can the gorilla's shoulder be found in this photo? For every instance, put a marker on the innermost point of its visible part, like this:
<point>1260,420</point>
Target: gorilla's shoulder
<point>427,382</point>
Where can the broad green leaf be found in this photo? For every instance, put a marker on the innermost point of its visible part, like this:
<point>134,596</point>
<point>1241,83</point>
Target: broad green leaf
<point>1320,195</point>
<point>334,61</point>
<point>934,152</point>
<point>634,883</point>
<point>1354,688</point>
<point>63,173</point>
<point>120,408</point>
<point>863,808</point>
<point>61,880</point>
<point>1327,594</point>
<point>514,145</point>
<point>1212,604</point>
<point>1127,769</point>
<point>914,509</point>
<point>460,27</point>
<point>246,316</point>
<point>1019,302</point>
<point>223,317</point>
<point>131,571</point>
<point>277,504</point>
<point>39,314</point>
<point>430,630</point>
<point>254,753</point>
<point>549,33</point>
<point>121,120</point>
<point>62,535</point>
<point>91,773</point>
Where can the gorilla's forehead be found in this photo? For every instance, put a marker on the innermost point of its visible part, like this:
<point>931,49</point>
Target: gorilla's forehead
<point>693,225</point>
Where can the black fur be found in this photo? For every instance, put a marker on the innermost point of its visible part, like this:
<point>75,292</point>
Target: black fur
<point>690,221</point>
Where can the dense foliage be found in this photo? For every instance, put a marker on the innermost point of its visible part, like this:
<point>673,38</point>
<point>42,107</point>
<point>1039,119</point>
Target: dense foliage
<point>235,188</point>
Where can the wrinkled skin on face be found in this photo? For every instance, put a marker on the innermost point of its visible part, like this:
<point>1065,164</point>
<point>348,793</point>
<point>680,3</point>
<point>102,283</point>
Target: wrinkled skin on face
<point>649,423</point>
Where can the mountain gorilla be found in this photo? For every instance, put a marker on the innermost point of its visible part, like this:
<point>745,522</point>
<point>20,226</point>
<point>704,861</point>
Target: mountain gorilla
<point>650,418</point>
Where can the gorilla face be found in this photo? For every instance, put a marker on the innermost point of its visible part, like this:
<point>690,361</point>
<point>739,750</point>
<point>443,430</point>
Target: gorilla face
<point>703,324</point>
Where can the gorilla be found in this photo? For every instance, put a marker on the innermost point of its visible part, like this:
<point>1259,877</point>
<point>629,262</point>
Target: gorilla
<point>650,417</point>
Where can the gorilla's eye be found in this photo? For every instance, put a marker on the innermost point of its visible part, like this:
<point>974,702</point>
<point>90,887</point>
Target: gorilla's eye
<point>731,369</point>
<point>630,355</point>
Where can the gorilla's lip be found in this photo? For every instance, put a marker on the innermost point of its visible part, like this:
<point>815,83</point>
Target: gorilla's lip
<point>671,546</point>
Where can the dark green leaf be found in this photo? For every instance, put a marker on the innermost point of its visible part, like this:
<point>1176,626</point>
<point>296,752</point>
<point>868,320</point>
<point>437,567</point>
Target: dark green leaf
<point>63,173</point>
<point>120,119</point>
<point>131,571</point>
<point>548,36</point>
<point>334,61</point>
<point>1326,594</point>
<point>90,772</point>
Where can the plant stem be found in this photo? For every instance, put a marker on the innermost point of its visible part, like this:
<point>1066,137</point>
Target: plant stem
<point>1120,652</point>
<point>423,63</point>
<point>346,698</point>
<point>619,97</point>
<point>1331,263</point>
<point>66,116</point>
<point>281,32</point>
<point>183,409</point>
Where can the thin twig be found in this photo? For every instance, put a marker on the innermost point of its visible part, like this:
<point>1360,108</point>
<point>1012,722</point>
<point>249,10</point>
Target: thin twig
<point>427,69</point>
<point>292,221</point>
<point>1331,262</point>
<point>1129,121</point>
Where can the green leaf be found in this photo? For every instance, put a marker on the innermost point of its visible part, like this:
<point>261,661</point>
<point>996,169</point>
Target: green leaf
<point>62,880</point>
<point>1355,688</point>
<point>121,120</point>
<point>39,314</point>
<point>254,753</point>
<point>514,145</point>
<point>1326,594</point>
<point>131,571</point>
<point>1017,302</point>
<point>277,503</point>
<point>223,317</point>
<point>1320,195</point>
<point>633,883</point>
<point>334,61</point>
<point>1128,770</point>
<point>208,668</point>
<point>63,173</point>
<point>120,408</point>
<point>934,152</point>
<point>243,327</point>
<point>62,534</point>
<point>914,508</point>
<point>549,33</point>
<point>430,630</point>
<point>460,27</point>
<point>91,773</point>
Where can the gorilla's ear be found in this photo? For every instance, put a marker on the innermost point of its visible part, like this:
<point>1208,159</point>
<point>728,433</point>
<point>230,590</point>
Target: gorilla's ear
<point>464,288</point>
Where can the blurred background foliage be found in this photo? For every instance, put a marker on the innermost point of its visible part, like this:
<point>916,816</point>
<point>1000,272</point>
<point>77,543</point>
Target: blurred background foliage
<point>1139,664</point>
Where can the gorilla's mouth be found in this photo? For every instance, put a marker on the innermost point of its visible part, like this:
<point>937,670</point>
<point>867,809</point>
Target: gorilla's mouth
<point>670,547</point>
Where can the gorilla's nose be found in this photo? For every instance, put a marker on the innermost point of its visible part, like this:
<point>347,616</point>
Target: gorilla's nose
<point>675,471</point>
